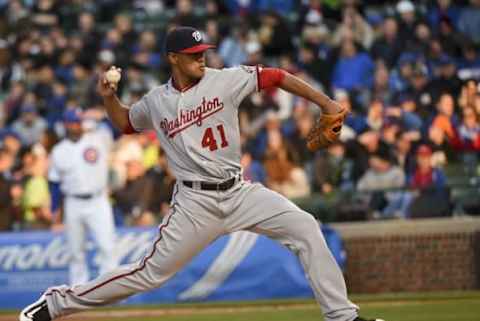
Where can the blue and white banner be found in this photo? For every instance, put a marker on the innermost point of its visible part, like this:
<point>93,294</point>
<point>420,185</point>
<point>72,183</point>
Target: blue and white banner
<point>240,266</point>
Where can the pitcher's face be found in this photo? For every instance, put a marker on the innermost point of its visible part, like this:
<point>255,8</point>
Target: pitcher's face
<point>191,65</point>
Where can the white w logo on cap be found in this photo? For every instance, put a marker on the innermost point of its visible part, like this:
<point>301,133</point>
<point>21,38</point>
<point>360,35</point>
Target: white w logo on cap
<point>197,35</point>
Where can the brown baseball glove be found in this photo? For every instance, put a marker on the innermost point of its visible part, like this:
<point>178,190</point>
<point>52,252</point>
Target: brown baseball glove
<point>326,131</point>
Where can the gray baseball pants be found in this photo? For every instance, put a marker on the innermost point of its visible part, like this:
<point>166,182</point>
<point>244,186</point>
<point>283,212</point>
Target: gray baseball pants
<point>197,218</point>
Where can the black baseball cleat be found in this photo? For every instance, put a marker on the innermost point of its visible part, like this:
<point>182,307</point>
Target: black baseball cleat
<point>37,311</point>
<point>362,319</point>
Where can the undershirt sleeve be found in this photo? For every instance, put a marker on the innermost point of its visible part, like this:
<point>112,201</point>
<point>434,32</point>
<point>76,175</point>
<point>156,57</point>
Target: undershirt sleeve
<point>270,77</point>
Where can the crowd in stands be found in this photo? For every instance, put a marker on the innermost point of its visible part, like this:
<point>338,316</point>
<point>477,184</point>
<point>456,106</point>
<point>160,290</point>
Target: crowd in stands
<point>407,71</point>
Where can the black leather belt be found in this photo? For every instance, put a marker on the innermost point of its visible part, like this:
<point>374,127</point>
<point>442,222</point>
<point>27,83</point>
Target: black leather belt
<point>83,196</point>
<point>223,186</point>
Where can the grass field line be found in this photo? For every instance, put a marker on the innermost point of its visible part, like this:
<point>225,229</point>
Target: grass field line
<point>135,312</point>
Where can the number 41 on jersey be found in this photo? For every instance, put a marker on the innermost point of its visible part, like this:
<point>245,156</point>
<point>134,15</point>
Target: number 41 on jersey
<point>209,140</point>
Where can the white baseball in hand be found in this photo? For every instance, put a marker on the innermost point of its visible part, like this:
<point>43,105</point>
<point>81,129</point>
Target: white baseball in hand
<point>113,75</point>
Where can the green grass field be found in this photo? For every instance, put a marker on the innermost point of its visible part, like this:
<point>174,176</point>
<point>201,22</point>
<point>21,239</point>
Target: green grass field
<point>445,306</point>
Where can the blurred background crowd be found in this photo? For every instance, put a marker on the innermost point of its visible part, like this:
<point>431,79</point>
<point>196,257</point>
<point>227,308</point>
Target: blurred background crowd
<point>408,71</point>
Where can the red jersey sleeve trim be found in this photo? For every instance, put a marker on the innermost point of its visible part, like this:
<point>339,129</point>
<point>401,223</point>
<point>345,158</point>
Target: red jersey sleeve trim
<point>270,77</point>
<point>259,70</point>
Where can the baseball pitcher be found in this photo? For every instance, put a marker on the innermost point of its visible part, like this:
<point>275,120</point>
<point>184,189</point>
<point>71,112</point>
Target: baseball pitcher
<point>195,116</point>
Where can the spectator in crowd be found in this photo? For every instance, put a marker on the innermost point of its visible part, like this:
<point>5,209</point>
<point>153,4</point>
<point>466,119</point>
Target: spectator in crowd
<point>45,14</point>
<point>185,14</point>
<point>233,48</point>
<point>283,175</point>
<point>442,151</point>
<point>64,70</point>
<point>87,29</point>
<point>271,35</point>
<point>354,27</point>
<point>469,130</point>
<point>304,122</point>
<point>354,122</point>
<point>127,147</point>
<point>6,198</point>
<point>162,183</point>
<point>12,102</point>
<point>420,89</point>
<point>470,96</point>
<point>403,151</point>
<point>332,170</point>
<point>30,126</point>
<point>382,175</point>
<point>254,52</point>
<point>443,9</point>
<point>375,117</point>
<point>268,124</point>
<point>145,50</point>
<point>212,32</point>
<point>469,21</point>
<point>388,46</point>
<point>312,13</point>
<point>400,76</point>
<point>469,62</point>
<point>390,132</point>
<point>133,199</point>
<point>7,161</point>
<point>354,69</point>
<point>435,50</point>
<point>446,79</point>
<point>380,90</point>
<point>10,71</point>
<point>406,114</point>
<point>450,40</point>
<point>425,174</point>
<point>36,195</point>
<point>56,104</point>
<point>137,82</point>
<point>316,66</point>
<point>11,142</point>
<point>430,185</point>
<point>407,21</point>
<point>150,149</point>
<point>445,118</point>
<point>422,39</point>
<point>217,10</point>
<point>360,150</point>
<point>124,26</point>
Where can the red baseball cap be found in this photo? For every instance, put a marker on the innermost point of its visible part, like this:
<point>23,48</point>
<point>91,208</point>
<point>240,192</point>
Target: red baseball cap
<point>185,40</point>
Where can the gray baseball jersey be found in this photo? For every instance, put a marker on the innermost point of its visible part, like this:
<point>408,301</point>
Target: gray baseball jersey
<point>198,127</point>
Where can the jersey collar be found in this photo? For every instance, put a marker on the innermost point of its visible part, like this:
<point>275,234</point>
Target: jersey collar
<point>173,85</point>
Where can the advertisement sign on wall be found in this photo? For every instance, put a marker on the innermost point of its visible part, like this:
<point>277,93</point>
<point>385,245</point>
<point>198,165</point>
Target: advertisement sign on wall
<point>240,266</point>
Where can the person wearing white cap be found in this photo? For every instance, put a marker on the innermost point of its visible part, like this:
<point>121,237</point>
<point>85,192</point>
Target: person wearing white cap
<point>407,21</point>
<point>405,6</point>
<point>406,10</point>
